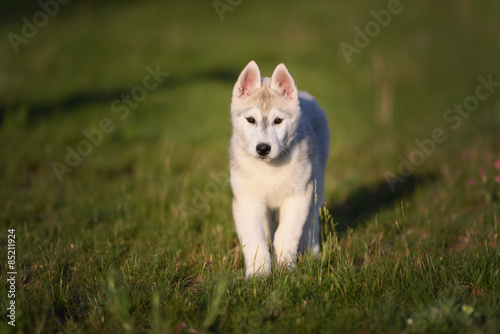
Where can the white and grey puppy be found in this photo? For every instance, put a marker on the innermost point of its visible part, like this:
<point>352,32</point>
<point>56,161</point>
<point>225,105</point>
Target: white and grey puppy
<point>278,153</point>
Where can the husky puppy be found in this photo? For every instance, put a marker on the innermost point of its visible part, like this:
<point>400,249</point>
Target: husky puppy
<point>278,152</point>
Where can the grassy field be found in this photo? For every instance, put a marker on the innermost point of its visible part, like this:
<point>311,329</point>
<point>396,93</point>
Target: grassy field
<point>114,123</point>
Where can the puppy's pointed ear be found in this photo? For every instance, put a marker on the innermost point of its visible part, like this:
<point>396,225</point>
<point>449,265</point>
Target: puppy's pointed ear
<point>248,81</point>
<point>282,82</point>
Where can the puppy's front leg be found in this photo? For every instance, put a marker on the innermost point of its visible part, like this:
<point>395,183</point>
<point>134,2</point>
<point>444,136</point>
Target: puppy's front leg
<point>294,213</point>
<point>251,219</point>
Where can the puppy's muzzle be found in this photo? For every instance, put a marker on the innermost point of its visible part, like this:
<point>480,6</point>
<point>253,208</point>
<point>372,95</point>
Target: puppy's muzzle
<point>263,149</point>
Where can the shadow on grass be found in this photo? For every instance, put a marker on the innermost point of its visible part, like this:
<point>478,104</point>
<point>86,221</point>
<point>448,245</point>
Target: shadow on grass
<point>37,112</point>
<point>365,202</point>
<point>40,111</point>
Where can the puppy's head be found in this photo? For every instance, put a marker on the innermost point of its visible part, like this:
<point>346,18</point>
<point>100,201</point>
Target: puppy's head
<point>265,112</point>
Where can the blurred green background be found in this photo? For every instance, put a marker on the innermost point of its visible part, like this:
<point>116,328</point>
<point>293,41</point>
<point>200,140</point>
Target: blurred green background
<point>143,188</point>
<point>426,59</point>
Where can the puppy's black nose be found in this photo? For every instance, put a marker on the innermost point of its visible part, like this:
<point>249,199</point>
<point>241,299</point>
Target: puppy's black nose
<point>263,149</point>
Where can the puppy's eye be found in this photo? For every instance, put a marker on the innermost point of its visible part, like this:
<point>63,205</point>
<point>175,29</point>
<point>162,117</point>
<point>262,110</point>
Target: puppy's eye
<point>278,120</point>
<point>251,120</point>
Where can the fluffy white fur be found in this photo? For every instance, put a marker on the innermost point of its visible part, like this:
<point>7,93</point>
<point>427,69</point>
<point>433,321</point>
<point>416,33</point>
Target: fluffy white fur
<point>287,178</point>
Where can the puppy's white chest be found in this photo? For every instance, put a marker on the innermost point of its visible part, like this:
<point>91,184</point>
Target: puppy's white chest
<point>273,184</point>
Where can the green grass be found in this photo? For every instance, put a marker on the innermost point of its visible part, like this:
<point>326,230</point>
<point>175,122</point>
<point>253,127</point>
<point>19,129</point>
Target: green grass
<point>139,237</point>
